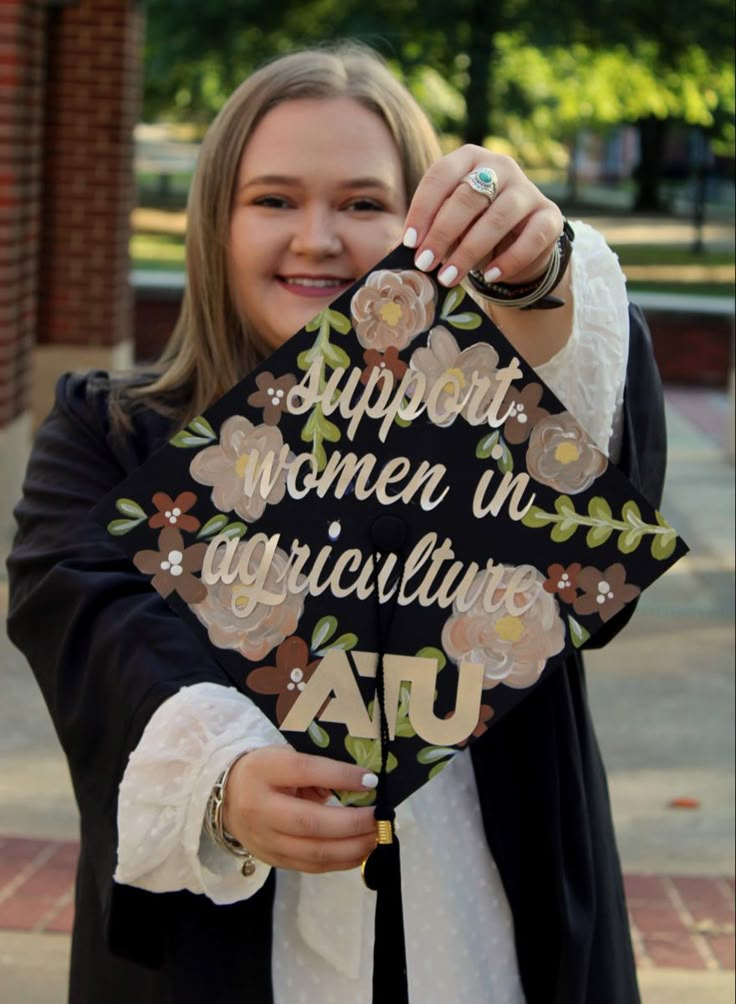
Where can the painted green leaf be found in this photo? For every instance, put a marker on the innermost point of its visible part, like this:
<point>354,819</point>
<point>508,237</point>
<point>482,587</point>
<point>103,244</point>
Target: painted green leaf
<point>119,527</point>
<point>485,445</point>
<point>130,509</point>
<point>233,530</point>
<point>345,642</point>
<point>598,535</point>
<point>453,299</point>
<point>662,521</point>
<point>506,461</point>
<point>338,321</point>
<point>318,736</point>
<point>563,530</point>
<point>578,634</point>
<point>359,798</point>
<point>466,322</point>
<point>323,631</point>
<point>631,512</point>
<point>431,754</point>
<point>213,526</point>
<point>202,427</point>
<point>565,506</point>
<point>438,768</point>
<point>359,749</point>
<point>537,517</point>
<point>185,440</point>
<point>629,540</point>
<point>404,728</point>
<point>599,508</point>
<point>428,652</point>
<point>403,422</point>
<point>335,357</point>
<point>315,323</point>
<point>305,359</point>
<point>663,545</point>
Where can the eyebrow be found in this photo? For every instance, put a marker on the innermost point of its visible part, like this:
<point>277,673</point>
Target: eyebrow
<point>285,179</point>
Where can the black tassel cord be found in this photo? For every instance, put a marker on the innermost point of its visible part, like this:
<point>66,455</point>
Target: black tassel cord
<point>382,868</point>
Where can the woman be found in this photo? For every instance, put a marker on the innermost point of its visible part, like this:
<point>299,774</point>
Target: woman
<point>317,166</point>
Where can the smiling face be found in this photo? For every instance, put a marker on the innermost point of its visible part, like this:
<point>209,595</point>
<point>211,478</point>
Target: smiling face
<point>319,200</point>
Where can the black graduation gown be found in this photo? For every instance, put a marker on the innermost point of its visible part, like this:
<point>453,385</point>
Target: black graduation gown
<point>107,651</point>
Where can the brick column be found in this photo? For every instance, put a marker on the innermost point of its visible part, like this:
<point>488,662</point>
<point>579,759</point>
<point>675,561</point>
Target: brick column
<point>92,100</point>
<point>22,51</point>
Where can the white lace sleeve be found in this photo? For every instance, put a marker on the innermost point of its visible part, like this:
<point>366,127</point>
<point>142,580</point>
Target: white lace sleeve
<point>588,374</point>
<point>187,743</point>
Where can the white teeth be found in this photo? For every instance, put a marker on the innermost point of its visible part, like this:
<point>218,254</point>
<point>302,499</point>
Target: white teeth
<point>317,283</point>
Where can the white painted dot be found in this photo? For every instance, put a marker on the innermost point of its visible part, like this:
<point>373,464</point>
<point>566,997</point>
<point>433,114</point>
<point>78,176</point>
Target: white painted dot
<point>176,569</point>
<point>165,565</point>
<point>175,557</point>
<point>297,675</point>
<point>290,686</point>
<point>167,514</point>
<point>497,452</point>
<point>176,512</point>
<point>334,530</point>
<point>600,598</point>
<point>603,586</point>
<point>279,394</point>
<point>521,418</point>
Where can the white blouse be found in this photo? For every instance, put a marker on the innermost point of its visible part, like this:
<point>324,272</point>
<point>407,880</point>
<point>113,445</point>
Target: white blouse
<point>459,932</point>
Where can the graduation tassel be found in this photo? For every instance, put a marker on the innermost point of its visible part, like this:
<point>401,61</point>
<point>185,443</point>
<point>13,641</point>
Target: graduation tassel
<point>382,868</point>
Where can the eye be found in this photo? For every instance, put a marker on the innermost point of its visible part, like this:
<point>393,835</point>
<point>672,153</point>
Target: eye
<point>271,202</point>
<point>365,205</point>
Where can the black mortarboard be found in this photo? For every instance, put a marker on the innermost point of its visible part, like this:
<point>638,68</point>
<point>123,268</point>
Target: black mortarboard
<point>389,532</point>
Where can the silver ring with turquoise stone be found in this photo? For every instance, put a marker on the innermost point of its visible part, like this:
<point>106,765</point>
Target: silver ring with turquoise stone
<point>483,180</point>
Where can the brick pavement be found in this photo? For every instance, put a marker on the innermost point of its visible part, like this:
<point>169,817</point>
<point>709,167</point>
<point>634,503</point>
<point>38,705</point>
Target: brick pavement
<point>683,922</point>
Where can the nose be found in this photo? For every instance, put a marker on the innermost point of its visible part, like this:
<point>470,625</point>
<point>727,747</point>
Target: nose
<point>317,233</point>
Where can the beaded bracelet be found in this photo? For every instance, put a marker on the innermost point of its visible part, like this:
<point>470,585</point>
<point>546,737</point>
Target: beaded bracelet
<point>214,824</point>
<point>532,295</point>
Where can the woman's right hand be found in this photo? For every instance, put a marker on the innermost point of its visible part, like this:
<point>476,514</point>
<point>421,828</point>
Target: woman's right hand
<point>274,805</point>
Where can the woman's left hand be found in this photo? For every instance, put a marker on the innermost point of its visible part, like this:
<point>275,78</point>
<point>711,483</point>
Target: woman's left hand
<point>511,237</point>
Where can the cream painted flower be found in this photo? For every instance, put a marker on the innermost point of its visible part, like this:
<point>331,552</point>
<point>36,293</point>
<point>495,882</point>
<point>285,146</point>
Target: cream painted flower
<point>223,466</point>
<point>443,360</point>
<point>392,308</point>
<point>265,626</point>
<point>512,649</point>
<point>563,456</point>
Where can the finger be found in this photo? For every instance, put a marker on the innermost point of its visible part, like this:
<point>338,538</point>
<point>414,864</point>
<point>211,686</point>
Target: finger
<point>315,856</point>
<point>525,253</point>
<point>299,818</point>
<point>287,768</point>
<point>436,186</point>
<point>456,214</point>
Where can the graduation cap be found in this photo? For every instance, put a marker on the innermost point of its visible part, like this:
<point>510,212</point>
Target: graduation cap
<point>388,534</point>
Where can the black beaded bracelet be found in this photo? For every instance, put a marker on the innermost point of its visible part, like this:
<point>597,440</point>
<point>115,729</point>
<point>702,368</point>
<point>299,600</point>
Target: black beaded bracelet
<point>533,295</point>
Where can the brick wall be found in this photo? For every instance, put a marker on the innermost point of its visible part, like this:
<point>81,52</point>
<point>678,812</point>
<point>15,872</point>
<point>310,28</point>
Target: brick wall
<point>22,50</point>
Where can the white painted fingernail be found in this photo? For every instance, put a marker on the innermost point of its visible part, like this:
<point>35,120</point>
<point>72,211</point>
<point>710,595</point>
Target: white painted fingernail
<point>448,276</point>
<point>410,238</point>
<point>492,274</point>
<point>425,260</point>
<point>369,781</point>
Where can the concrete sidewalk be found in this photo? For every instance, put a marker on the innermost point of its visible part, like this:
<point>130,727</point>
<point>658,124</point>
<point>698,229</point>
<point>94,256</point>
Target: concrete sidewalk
<point>663,700</point>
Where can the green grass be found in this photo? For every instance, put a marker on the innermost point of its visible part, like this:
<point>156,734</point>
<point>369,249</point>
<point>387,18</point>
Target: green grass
<point>663,254</point>
<point>157,252</point>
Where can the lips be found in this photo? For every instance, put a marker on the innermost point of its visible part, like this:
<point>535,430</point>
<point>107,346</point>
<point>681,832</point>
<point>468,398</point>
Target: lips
<point>314,285</point>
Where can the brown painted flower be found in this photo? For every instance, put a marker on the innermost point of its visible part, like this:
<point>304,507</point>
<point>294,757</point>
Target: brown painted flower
<point>223,466</point>
<point>172,566</point>
<point>387,361</point>
<point>524,412</point>
<point>265,625</point>
<point>604,592</point>
<point>287,678</point>
<point>563,581</point>
<point>173,512</point>
<point>485,714</point>
<point>512,649</point>
<point>562,455</point>
<point>271,395</point>
<point>442,360</point>
<point>392,308</point>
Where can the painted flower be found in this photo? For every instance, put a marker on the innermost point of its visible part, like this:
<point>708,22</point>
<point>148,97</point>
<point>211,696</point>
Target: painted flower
<point>173,512</point>
<point>287,678</point>
<point>387,361</point>
<point>604,592</point>
<point>271,395</point>
<point>264,627</point>
<point>392,308</point>
<point>512,649</point>
<point>563,581</point>
<point>562,455</point>
<point>172,566</point>
<point>224,465</point>
<point>522,403</point>
<point>442,359</point>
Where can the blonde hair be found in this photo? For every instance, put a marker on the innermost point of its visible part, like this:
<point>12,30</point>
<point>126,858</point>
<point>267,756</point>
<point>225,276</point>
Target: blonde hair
<point>211,347</point>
